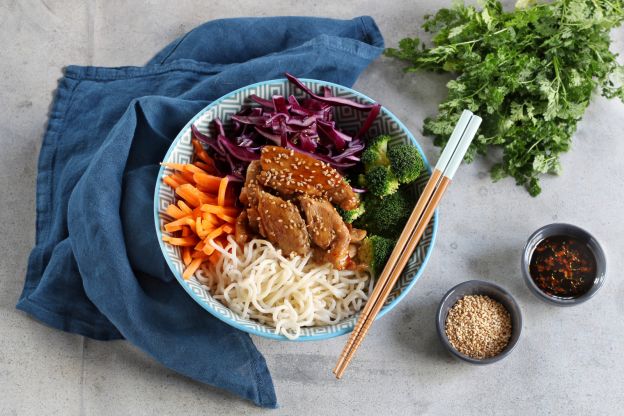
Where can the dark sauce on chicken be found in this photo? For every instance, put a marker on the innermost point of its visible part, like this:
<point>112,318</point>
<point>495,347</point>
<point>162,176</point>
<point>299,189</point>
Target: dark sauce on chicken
<point>563,266</point>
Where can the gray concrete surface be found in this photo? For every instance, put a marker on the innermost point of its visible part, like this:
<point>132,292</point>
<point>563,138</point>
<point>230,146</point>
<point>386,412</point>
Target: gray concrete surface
<point>569,361</point>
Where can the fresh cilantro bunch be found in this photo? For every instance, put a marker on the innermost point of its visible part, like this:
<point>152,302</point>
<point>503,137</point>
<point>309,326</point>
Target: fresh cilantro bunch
<point>529,73</point>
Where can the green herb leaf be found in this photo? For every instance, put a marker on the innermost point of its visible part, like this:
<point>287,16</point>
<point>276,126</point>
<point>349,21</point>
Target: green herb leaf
<point>530,73</point>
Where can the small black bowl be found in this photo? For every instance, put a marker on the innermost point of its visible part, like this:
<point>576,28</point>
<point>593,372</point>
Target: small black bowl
<point>571,231</point>
<point>479,287</point>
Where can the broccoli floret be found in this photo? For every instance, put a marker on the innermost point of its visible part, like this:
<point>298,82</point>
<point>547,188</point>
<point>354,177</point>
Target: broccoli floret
<point>375,153</point>
<point>381,182</point>
<point>353,214</point>
<point>386,216</point>
<point>405,162</point>
<point>375,251</point>
<point>361,180</point>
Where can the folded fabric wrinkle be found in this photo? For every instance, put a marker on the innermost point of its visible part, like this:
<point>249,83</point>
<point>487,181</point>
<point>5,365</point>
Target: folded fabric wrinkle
<point>96,268</point>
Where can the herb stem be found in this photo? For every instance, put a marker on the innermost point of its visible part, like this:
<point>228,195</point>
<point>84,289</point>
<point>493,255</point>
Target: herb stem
<point>533,146</point>
<point>468,42</point>
<point>530,73</point>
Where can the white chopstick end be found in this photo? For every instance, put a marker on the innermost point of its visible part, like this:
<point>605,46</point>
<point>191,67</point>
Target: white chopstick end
<point>464,142</point>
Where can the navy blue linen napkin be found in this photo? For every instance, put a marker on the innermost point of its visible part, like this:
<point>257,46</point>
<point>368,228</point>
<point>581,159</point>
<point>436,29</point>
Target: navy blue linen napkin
<point>96,268</point>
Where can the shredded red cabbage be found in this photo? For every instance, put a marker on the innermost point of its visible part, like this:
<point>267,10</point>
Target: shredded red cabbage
<point>306,126</point>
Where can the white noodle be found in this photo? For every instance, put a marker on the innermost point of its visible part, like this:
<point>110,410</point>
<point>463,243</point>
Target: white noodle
<point>258,282</point>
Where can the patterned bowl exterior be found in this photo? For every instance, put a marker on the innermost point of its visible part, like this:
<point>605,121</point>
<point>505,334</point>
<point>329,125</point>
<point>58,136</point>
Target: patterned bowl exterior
<point>181,151</point>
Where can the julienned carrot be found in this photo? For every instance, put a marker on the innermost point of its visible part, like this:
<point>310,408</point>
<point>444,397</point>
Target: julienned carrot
<point>188,194</point>
<point>214,209</point>
<point>190,168</point>
<point>192,268</point>
<point>204,157</point>
<point>199,255</point>
<point>171,182</point>
<point>215,233</point>
<point>227,218</point>
<point>185,167</point>
<point>193,196</point>
<point>210,218</point>
<point>207,167</point>
<point>188,176</point>
<point>208,249</point>
<point>185,208</point>
<point>202,228</point>
<point>199,246</point>
<point>221,194</point>
<point>180,241</point>
<point>186,255</point>
<point>208,182</point>
<point>175,212</point>
<point>214,257</point>
<point>175,166</point>
<point>204,214</point>
<point>179,224</point>
<point>179,178</point>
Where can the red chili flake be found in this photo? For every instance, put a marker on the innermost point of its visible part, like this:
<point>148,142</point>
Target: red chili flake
<point>563,266</point>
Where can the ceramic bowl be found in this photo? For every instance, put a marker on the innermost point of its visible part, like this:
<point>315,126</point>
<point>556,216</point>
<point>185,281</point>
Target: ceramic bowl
<point>479,287</point>
<point>572,231</point>
<point>181,151</point>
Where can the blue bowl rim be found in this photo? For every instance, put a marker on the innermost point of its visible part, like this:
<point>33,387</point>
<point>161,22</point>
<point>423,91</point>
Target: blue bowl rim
<point>572,230</point>
<point>440,324</point>
<point>274,336</point>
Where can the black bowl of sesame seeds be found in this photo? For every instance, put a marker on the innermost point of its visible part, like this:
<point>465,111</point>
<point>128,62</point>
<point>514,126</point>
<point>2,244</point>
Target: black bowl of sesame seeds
<point>479,322</point>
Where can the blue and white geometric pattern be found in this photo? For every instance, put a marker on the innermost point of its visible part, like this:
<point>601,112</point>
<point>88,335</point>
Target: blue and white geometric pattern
<point>181,151</point>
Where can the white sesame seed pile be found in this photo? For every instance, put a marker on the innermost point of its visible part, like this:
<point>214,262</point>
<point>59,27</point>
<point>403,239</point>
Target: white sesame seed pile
<point>478,326</point>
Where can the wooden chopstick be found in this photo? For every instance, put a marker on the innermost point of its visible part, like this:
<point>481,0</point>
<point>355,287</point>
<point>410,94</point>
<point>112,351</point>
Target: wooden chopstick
<point>392,272</point>
<point>423,200</point>
<point>410,237</point>
<point>409,248</point>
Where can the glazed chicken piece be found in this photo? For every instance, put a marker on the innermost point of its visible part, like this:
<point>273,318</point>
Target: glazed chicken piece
<point>327,230</point>
<point>248,195</point>
<point>304,183</point>
<point>319,215</point>
<point>293,173</point>
<point>357,235</point>
<point>242,232</point>
<point>253,219</point>
<point>281,223</point>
